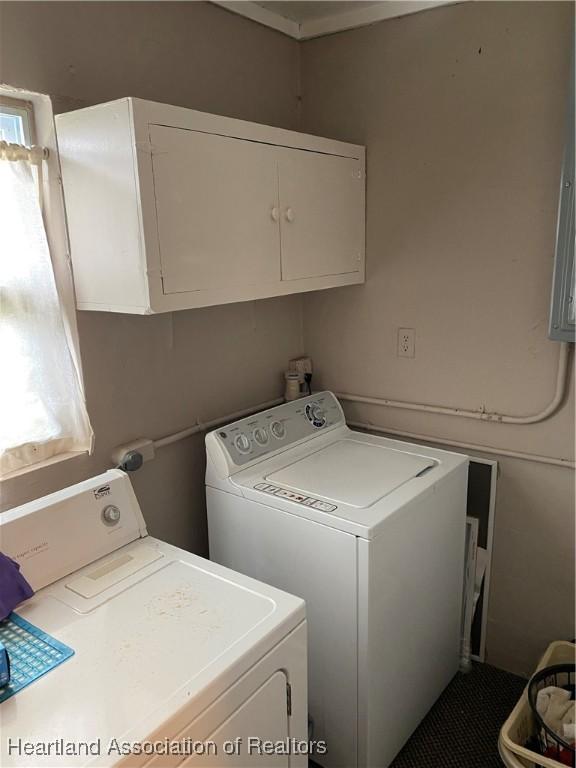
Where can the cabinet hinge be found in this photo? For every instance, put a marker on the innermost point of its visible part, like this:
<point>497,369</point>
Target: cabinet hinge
<point>289,699</point>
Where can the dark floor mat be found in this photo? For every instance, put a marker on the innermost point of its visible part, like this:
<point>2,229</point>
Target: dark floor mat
<point>461,730</point>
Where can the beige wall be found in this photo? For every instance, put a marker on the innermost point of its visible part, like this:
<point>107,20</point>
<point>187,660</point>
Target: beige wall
<point>191,54</point>
<point>461,109</point>
<point>149,376</point>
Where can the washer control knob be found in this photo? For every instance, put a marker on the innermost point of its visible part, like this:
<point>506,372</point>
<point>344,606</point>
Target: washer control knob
<point>110,515</point>
<point>315,414</point>
<point>242,443</point>
<point>278,430</point>
<point>260,435</point>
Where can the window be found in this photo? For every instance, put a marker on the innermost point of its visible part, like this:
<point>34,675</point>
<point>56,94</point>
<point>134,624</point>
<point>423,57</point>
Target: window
<point>16,121</point>
<point>42,409</point>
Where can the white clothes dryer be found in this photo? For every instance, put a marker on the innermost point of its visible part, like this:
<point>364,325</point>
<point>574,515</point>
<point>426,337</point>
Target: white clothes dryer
<point>171,651</point>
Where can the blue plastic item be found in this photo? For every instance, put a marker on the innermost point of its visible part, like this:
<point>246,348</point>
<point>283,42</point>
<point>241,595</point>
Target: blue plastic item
<point>32,653</point>
<point>4,667</point>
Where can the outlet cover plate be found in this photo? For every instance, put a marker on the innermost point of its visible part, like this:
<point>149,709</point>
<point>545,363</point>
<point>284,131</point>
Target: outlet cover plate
<point>406,346</point>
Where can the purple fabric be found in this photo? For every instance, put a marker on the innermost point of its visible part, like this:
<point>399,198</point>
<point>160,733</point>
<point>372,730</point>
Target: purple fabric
<point>14,588</point>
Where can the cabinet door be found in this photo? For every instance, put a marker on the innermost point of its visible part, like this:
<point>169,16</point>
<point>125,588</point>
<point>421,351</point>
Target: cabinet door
<point>217,210</point>
<point>263,716</point>
<point>321,214</point>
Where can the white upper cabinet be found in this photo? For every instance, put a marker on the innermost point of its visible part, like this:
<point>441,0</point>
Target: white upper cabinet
<point>169,208</point>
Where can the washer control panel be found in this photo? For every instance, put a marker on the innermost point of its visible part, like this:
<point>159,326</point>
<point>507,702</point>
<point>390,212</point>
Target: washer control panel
<point>307,501</point>
<point>256,436</point>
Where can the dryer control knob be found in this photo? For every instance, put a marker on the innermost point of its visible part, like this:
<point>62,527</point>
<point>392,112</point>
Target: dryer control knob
<point>110,515</point>
<point>242,443</point>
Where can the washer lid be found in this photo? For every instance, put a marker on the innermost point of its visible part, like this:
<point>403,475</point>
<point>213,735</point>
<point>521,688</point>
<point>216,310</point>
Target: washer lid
<point>351,472</point>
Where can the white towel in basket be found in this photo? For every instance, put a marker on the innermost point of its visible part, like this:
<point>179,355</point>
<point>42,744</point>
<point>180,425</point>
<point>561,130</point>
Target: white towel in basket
<point>569,724</point>
<point>557,710</point>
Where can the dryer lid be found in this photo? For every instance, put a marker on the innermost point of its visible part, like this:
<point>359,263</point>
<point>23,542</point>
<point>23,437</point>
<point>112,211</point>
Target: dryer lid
<point>351,472</point>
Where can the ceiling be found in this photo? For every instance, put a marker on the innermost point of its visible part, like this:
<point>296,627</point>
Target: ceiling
<point>304,20</point>
<point>305,11</point>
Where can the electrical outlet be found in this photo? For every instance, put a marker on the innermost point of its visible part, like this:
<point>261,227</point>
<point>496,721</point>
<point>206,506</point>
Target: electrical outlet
<point>300,365</point>
<point>406,342</point>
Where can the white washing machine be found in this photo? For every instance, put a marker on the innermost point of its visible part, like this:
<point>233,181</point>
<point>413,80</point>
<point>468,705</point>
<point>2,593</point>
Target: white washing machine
<point>171,651</point>
<point>370,532</point>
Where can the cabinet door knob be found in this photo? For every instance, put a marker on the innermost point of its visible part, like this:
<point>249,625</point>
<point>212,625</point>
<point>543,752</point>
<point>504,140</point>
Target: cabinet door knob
<point>275,213</point>
<point>290,214</point>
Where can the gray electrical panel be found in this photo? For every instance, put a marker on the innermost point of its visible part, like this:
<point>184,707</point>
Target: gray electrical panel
<point>562,310</point>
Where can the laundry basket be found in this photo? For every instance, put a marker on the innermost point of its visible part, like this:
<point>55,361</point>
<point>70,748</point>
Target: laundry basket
<point>521,727</point>
<point>551,743</point>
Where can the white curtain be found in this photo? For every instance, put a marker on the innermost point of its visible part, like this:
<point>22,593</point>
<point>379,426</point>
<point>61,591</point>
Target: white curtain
<point>42,409</point>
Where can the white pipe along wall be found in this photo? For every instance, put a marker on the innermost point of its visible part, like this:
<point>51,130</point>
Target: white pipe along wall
<point>208,425</point>
<point>369,426</point>
<point>561,388</point>
<point>562,378</point>
<point>552,460</point>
